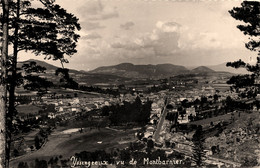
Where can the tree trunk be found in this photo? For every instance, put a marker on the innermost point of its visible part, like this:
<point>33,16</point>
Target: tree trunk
<point>11,108</point>
<point>3,87</point>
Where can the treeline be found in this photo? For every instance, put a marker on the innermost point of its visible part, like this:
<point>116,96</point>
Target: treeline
<point>41,137</point>
<point>21,99</point>
<point>135,113</point>
<point>99,90</point>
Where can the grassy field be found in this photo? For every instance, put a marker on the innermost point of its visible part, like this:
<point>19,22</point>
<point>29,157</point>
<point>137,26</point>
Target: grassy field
<point>226,117</point>
<point>28,108</point>
<point>71,92</point>
<point>67,145</point>
<point>80,94</point>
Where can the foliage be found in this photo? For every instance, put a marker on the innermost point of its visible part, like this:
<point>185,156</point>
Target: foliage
<point>48,30</point>
<point>99,90</point>
<point>125,155</point>
<point>105,111</point>
<point>250,161</point>
<point>169,106</point>
<point>241,81</point>
<point>198,148</point>
<point>37,142</point>
<point>32,67</point>
<point>65,79</point>
<point>215,97</point>
<point>150,144</point>
<point>130,112</point>
<point>41,163</point>
<point>172,117</point>
<point>23,165</point>
<point>158,153</point>
<point>31,79</point>
<point>185,103</point>
<point>136,146</point>
<point>249,13</point>
<point>49,108</point>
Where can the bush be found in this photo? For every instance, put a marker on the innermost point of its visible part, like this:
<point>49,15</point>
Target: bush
<point>23,165</point>
<point>150,144</point>
<point>250,162</point>
<point>16,153</point>
<point>167,144</point>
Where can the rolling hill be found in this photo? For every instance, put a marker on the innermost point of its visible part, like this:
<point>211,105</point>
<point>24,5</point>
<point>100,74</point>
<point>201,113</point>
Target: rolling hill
<point>118,74</point>
<point>142,71</point>
<point>82,77</point>
<point>41,63</point>
<point>222,67</point>
<point>202,69</point>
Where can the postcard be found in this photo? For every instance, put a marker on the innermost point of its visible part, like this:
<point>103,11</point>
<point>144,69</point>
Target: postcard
<point>130,83</point>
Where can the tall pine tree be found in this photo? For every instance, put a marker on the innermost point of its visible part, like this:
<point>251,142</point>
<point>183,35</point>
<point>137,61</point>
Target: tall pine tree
<point>49,31</point>
<point>249,13</point>
<point>198,147</point>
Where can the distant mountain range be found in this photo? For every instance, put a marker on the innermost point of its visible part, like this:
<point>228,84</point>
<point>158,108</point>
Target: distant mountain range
<point>128,71</point>
<point>142,71</point>
<point>222,67</point>
<point>202,69</point>
<point>41,63</point>
<point>158,71</point>
<point>82,77</point>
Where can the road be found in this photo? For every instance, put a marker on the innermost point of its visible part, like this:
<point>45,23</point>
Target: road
<point>160,123</point>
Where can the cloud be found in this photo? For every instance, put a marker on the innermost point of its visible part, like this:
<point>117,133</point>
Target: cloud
<point>167,40</point>
<point>91,36</point>
<point>208,40</point>
<point>163,40</point>
<point>92,51</point>
<point>92,13</point>
<point>132,44</point>
<point>204,40</point>
<point>91,25</point>
<point>127,25</point>
<point>168,27</point>
<point>95,10</point>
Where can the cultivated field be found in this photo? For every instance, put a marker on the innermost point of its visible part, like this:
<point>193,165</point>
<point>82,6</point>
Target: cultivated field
<point>28,109</point>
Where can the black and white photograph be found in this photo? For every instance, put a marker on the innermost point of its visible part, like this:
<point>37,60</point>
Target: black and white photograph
<point>130,84</point>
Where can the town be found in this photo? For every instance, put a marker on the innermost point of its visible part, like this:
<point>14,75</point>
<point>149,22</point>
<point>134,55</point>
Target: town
<point>145,122</point>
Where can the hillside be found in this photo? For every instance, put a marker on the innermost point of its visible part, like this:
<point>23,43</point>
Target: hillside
<point>82,77</point>
<point>239,141</point>
<point>222,67</point>
<point>121,73</point>
<point>202,69</point>
<point>142,71</point>
<point>155,71</point>
<point>41,63</point>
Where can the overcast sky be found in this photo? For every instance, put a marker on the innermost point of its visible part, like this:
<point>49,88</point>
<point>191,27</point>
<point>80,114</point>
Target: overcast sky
<point>153,32</point>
